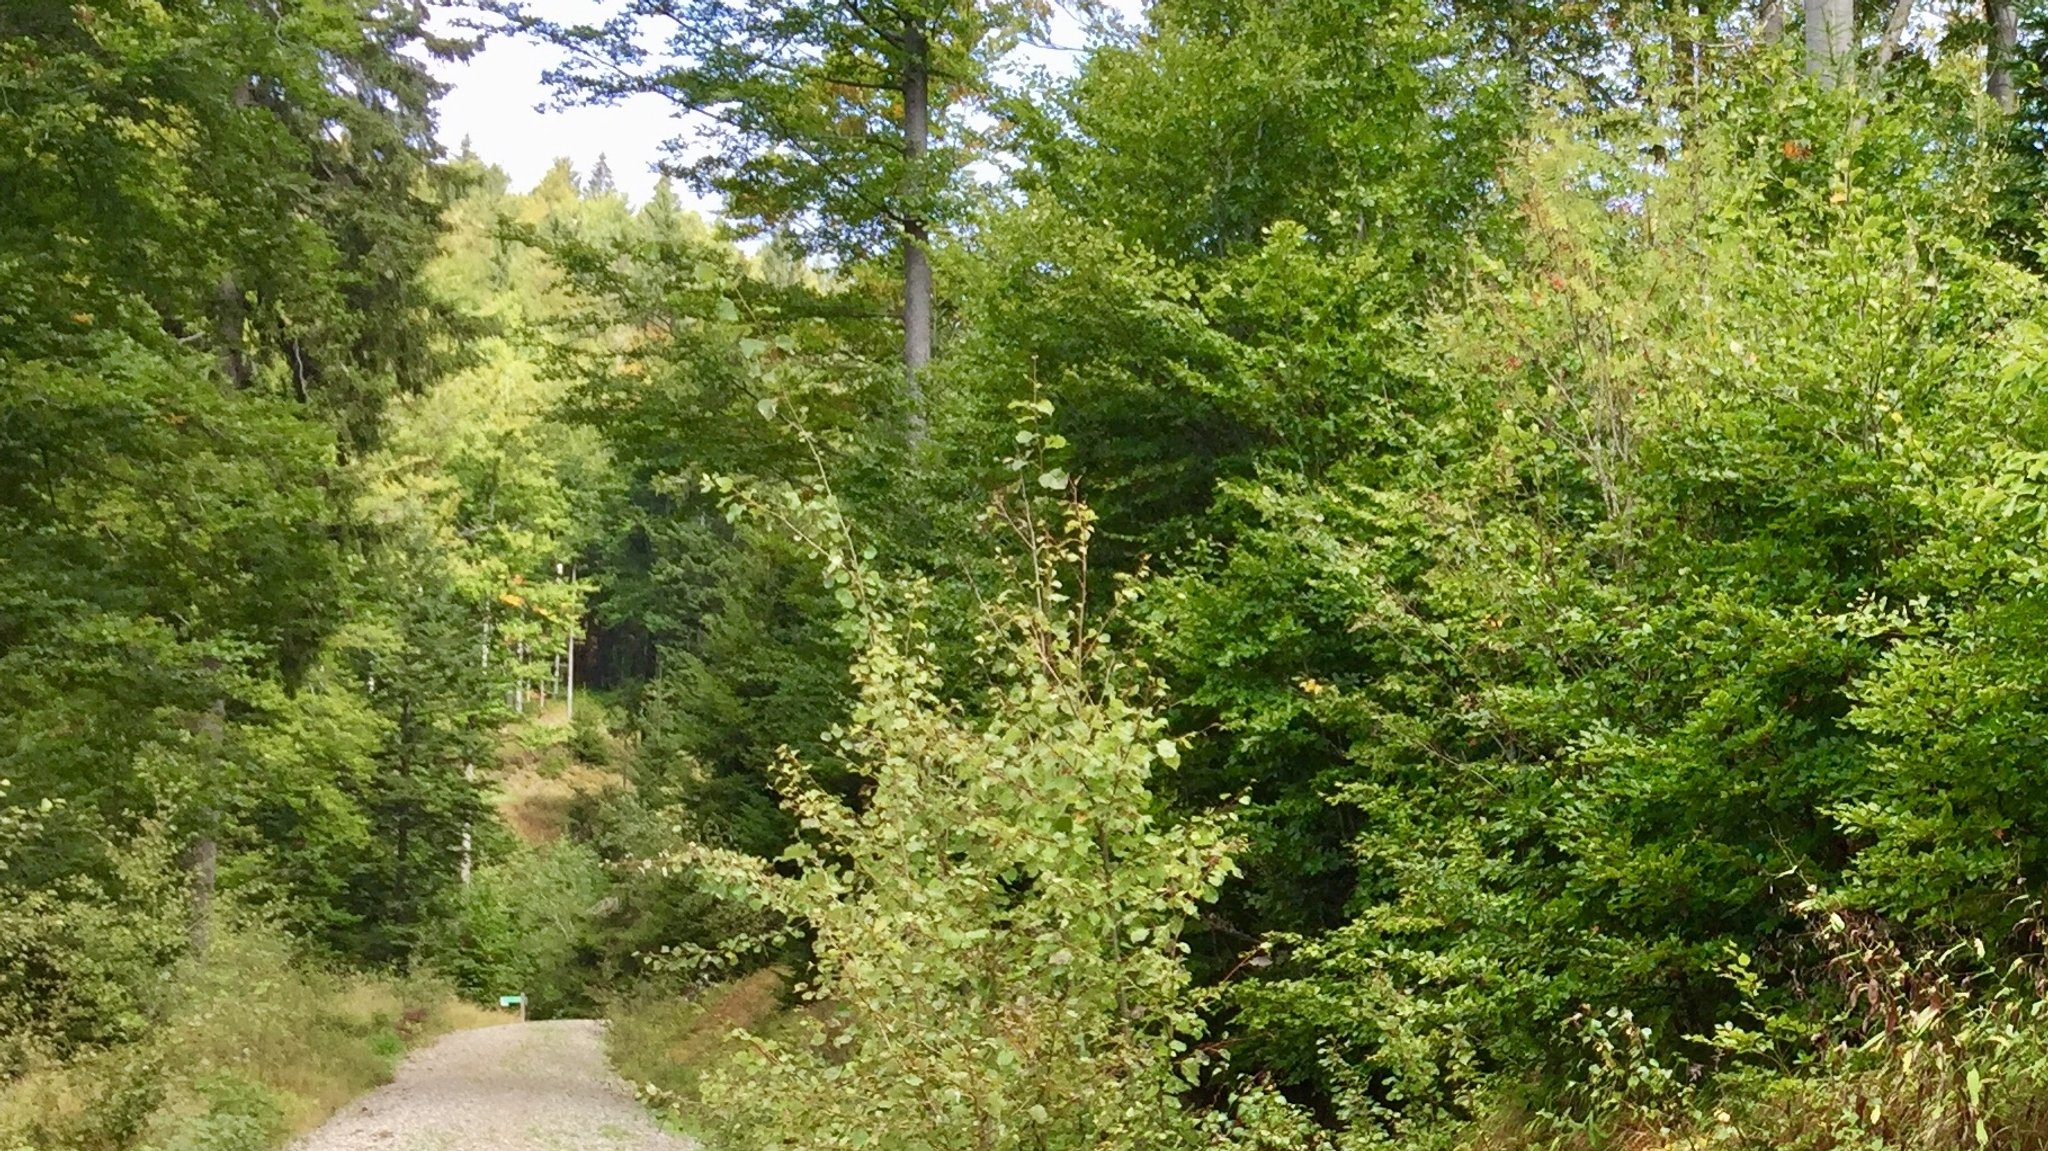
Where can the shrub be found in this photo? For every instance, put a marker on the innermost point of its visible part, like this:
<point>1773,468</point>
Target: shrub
<point>525,925</point>
<point>997,926</point>
<point>240,1115</point>
<point>590,738</point>
<point>1904,1045</point>
<point>81,959</point>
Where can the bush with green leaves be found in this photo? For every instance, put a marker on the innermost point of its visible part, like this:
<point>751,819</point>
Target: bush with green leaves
<point>527,924</point>
<point>590,737</point>
<point>1703,590</point>
<point>82,958</point>
<point>996,923</point>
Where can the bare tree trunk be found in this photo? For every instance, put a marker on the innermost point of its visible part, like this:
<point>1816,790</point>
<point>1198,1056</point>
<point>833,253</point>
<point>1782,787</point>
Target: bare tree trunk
<point>1830,40</point>
<point>1685,52</point>
<point>2003,16</point>
<point>917,268</point>
<point>232,306</point>
<point>569,661</point>
<point>401,854</point>
<point>1894,33</point>
<point>917,314</point>
<point>1773,20</point>
<point>468,776</point>
<point>227,332</point>
<point>203,859</point>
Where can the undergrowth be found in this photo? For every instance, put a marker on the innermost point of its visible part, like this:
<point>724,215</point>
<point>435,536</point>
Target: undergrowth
<point>1896,1043</point>
<point>664,1044</point>
<point>1901,1047</point>
<point>254,1049</point>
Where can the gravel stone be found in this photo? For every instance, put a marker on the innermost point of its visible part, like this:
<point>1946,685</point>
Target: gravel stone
<point>518,1087</point>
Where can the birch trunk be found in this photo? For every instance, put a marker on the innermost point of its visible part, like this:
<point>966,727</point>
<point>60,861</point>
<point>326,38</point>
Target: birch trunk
<point>1830,40</point>
<point>917,268</point>
<point>203,858</point>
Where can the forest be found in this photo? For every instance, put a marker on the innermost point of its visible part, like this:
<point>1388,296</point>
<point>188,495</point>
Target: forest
<point>1344,574</point>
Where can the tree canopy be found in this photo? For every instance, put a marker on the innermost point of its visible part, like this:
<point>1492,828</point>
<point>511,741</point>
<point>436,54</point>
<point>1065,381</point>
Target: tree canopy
<point>1334,575</point>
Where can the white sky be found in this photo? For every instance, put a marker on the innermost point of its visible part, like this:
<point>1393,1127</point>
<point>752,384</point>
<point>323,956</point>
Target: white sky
<point>494,97</point>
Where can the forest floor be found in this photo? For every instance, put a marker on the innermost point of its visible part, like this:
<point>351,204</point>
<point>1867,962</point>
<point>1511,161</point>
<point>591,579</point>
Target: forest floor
<point>519,1087</point>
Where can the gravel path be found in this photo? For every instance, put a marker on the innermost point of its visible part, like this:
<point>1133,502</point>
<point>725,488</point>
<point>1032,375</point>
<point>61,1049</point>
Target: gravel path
<point>519,1087</point>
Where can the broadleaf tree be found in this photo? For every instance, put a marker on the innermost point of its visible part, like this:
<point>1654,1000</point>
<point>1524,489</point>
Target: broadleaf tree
<point>844,125</point>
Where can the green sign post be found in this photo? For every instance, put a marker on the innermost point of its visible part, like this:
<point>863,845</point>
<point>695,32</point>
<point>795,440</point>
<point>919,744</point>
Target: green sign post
<point>510,1000</point>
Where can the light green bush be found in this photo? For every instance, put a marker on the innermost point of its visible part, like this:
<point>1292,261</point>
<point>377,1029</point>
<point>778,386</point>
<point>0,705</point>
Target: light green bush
<point>526,924</point>
<point>997,925</point>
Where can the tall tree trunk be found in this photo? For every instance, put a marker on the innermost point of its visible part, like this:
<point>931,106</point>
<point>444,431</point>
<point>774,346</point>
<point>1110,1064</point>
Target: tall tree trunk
<point>1773,20</point>
<point>401,846</point>
<point>230,317</point>
<point>569,661</point>
<point>1685,52</point>
<point>1830,40</point>
<point>202,860</point>
<point>2003,16</point>
<point>917,268</point>
<point>1894,33</point>
<point>468,776</point>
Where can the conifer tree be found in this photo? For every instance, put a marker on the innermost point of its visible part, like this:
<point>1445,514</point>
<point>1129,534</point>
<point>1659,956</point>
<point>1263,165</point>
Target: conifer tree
<point>601,182</point>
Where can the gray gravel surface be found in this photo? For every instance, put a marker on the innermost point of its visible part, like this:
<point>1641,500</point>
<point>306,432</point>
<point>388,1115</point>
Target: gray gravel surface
<point>519,1087</point>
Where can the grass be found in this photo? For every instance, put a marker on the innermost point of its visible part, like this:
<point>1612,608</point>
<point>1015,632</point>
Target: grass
<point>536,804</point>
<point>664,1045</point>
<point>545,765</point>
<point>256,1050</point>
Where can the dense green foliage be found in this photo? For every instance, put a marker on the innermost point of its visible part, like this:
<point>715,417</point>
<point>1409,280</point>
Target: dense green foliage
<point>1568,480</point>
<point>185,603</point>
<point>996,928</point>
